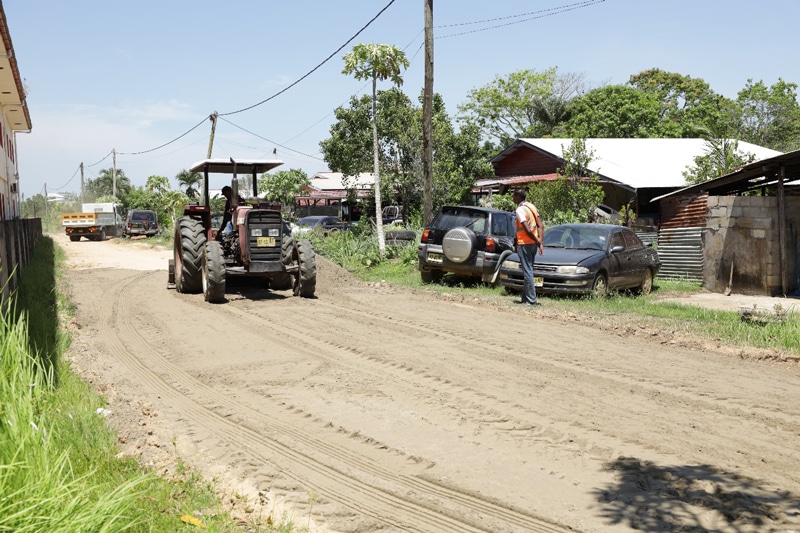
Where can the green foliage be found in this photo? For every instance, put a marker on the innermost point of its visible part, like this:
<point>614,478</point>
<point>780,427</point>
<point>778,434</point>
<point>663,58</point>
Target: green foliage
<point>458,157</point>
<point>103,185</point>
<point>375,62</point>
<point>575,194</point>
<point>770,115</point>
<point>526,103</point>
<point>687,104</point>
<point>618,111</point>
<point>721,157</point>
<point>504,202</point>
<point>157,196</point>
<point>190,182</point>
<point>282,186</point>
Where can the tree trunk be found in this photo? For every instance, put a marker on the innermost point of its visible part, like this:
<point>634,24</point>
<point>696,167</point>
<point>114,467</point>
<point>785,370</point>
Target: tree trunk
<point>378,208</point>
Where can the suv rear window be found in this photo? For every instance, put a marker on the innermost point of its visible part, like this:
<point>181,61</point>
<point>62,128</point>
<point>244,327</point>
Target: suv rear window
<point>468,218</point>
<point>143,216</point>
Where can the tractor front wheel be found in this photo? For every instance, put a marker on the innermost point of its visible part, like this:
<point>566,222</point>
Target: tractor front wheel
<point>190,240</point>
<point>214,273</point>
<point>305,282</point>
<point>284,280</point>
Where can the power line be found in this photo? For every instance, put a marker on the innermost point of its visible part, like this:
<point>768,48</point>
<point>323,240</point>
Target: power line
<point>104,158</point>
<point>184,134</point>
<point>307,74</point>
<point>272,142</point>
<point>70,180</point>
<point>539,14</point>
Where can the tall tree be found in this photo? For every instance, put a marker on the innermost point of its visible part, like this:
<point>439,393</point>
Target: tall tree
<point>618,111</point>
<point>103,185</point>
<point>722,156</point>
<point>376,62</point>
<point>526,103</point>
<point>189,182</point>
<point>459,158</point>
<point>687,104</point>
<point>282,186</point>
<point>770,115</point>
<point>575,194</point>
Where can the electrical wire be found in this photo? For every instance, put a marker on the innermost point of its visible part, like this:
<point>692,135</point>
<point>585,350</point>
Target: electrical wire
<point>540,14</point>
<point>307,74</point>
<point>104,158</point>
<point>269,141</point>
<point>70,180</point>
<point>184,134</point>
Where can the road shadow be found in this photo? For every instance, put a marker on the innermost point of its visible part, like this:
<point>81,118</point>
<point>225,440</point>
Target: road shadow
<point>692,498</point>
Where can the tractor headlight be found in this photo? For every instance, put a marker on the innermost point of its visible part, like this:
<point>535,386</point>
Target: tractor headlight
<point>273,232</point>
<point>255,232</point>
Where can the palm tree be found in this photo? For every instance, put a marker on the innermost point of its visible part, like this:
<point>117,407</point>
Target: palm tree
<point>376,62</point>
<point>189,180</point>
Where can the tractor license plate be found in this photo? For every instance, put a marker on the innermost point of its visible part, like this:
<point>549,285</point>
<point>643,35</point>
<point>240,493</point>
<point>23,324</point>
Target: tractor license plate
<point>434,257</point>
<point>538,282</point>
<point>265,241</point>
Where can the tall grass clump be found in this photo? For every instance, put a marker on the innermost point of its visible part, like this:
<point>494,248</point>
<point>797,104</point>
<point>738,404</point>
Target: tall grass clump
<point>39,489</point>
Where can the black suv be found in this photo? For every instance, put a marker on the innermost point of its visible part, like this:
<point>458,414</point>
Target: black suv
<point>141,222</point>
<point>465,240</point>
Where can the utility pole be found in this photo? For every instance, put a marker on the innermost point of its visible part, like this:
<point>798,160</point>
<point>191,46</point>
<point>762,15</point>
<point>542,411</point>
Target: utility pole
<point>213,119</point>
<point>46,222</point>
<point>427,119</point>
<point>81,182</point>
<point>114,173</point>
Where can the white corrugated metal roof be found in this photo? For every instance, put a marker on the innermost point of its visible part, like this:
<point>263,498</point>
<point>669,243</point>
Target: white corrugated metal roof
<point>333,181</point>
<point>643,163</point>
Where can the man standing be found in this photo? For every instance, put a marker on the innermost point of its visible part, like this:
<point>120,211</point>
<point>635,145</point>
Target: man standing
<point>530,232</point>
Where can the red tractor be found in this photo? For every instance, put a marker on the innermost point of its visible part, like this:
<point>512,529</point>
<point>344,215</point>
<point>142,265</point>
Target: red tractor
<point>258,244</point>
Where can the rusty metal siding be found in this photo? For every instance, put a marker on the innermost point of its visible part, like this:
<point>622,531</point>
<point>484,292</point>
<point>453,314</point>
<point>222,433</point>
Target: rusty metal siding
<point>680,237</point>
<point>687,211</point>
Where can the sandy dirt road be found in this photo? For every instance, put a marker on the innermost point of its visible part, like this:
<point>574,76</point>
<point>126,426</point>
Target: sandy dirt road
<point>373,408</point>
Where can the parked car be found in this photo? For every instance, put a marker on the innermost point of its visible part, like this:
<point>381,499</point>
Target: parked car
<point>141,222</point>
<point>587,259</point>
<point>318,222</point>
<point>465,240</point>
<point>605,213</point>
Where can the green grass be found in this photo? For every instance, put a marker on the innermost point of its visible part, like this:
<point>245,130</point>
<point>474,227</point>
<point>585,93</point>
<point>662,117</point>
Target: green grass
<point>59,463</point>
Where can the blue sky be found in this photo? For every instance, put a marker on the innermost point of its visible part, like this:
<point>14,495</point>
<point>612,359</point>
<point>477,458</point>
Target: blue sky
<point>132,76</point>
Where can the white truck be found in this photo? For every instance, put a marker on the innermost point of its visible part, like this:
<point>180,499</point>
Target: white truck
<point>96,222</point>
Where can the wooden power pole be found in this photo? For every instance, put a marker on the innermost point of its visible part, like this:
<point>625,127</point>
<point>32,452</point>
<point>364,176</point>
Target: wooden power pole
<point>427,119</point>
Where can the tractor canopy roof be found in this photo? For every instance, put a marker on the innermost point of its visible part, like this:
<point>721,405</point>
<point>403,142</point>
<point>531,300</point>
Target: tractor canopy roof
<point>243,166</point>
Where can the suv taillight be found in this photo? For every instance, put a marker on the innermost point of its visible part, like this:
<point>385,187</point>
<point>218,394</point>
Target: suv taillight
<point>425,234</point>
<point>490,245</point>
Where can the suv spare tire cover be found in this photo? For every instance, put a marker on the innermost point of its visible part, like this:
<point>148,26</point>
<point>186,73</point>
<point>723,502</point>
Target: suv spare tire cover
<point>458,244</point>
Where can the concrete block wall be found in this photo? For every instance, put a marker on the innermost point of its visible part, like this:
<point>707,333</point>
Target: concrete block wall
<point>743,232</point>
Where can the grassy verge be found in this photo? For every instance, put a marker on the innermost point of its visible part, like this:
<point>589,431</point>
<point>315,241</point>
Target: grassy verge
<point>359,254</point>
<point>59,468</point>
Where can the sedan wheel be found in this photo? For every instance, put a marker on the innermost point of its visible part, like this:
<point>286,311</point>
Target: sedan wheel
<point>647,282</point>
<point>600,286</point>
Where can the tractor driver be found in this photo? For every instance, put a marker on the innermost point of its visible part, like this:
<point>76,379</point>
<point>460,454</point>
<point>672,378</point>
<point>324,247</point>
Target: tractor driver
<point>226,226</point>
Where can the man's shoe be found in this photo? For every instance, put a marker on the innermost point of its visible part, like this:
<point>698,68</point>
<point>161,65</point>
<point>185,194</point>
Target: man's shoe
<point>527,303</point>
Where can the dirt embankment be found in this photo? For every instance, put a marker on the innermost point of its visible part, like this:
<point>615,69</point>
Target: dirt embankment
<point>374,408</point>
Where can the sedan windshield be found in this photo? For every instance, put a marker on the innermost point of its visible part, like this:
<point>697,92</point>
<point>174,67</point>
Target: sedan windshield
<point>577,238</point>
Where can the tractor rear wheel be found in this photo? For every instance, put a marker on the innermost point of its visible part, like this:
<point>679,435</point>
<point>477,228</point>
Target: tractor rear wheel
<point>214,273</point>
<point>190,240</point>
<point>305,282</point>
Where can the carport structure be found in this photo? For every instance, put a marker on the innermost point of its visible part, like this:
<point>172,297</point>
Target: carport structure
<point>752,213</point>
